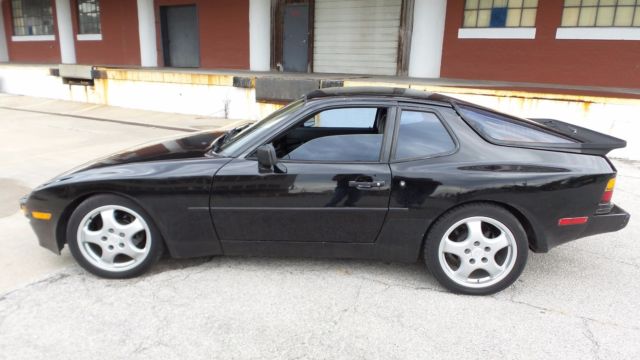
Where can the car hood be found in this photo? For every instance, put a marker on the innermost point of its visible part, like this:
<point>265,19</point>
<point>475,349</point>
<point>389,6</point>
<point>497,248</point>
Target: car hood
<point>182,146</point>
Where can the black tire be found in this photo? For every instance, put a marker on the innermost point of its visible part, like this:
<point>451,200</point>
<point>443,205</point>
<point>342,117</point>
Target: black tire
<point>153,250</point>
<point>444,272</point>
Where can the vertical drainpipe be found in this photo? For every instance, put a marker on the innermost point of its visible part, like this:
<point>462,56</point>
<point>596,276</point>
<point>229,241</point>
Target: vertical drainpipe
<point>260,35</point>
<point>147,33</point>
<point>427,38</point>
<point>4,52</point>
<point>65,32</point>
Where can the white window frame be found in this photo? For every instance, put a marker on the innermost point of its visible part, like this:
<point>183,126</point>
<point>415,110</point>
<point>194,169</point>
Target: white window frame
<point>598,33</point>
<point>89,37</point>
<point>22,38</point>
<point>497,33</point>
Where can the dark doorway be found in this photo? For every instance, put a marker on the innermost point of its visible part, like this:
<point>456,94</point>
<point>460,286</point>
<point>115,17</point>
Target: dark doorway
<point>295,46</point>
<point>180,36</point>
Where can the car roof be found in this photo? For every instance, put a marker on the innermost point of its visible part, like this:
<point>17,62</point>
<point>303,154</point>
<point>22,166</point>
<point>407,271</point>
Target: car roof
<point>386,92</point>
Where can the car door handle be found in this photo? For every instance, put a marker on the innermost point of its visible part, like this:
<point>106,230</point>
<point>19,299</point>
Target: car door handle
<point>364,185</point>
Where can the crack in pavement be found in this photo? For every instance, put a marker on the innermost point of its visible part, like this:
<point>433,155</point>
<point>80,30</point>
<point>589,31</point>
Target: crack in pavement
<point>48,280</point>
<point>595,345</point>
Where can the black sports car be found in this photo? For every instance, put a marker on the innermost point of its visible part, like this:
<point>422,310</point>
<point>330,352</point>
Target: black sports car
<point>379,173</point>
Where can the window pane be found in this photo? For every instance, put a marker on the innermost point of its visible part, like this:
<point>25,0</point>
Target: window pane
<point>484,18</point>
<point>32,17</point>
<point>359,147</point>
<point>504,128</point>
<point>570,17</point>
<point>587,16</point>
<point>513,17</point>
<point>344,118</point>
<point>498,17</point>
<point>605,16</point>
<point>572,2</point>
<point>528,17</point>
<point>624,16</point>
<point>636,18</point>
<point>89,16</point>
<point>470,18</point>
<point>341,134</point>
<point>486,4</point>
<point>471,4</point>
<point>421,134</point>
<point>500,13</point>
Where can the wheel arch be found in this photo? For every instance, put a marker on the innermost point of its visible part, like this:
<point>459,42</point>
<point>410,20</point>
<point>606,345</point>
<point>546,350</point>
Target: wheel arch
<point>533,237</point>
<point>63,222</point>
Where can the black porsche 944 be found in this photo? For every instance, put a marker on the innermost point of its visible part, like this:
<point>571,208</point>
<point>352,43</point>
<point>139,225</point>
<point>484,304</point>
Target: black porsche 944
<point>377,173</point>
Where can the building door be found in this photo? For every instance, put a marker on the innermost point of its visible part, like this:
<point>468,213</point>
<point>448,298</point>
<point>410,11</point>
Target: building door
<point>295,47</point>
<point>357,38</point>
<point>180,36</point>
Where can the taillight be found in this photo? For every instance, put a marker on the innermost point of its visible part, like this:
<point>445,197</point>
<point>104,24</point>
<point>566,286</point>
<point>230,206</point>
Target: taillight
<point>608,191</point>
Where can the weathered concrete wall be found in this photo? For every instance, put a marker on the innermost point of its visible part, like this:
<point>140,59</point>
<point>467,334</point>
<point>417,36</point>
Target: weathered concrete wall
<point>212,94</point>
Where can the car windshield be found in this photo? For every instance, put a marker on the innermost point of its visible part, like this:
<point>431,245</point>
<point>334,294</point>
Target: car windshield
<point>237,138</point>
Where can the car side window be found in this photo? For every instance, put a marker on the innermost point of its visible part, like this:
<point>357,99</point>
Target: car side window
<point>421,134</point>
<point>339,134</point>
<point>505,128</point>
<point>344,118</point>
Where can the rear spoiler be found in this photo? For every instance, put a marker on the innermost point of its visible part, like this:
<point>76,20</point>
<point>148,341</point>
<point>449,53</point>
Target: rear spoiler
<point>590,142</point>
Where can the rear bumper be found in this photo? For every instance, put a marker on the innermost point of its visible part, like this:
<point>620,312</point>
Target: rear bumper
<point>615,220</point>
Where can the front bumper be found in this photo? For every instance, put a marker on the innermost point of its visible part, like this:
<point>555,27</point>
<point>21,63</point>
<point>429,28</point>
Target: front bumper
<point>45,229</point>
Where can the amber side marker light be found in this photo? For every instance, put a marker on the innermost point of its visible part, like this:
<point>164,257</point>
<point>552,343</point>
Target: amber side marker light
<point>608,191</point>
<point>41,215</point>
<point>573,221</point>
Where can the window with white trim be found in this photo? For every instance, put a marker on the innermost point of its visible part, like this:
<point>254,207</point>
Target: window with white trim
<point>32,17</point>
<point>500,13</point>
<point>601,13</point>
<point>88,17</point>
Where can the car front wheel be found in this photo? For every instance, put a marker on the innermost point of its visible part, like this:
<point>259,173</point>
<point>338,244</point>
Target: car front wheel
<point>112,237</point>
<point>476,249</point>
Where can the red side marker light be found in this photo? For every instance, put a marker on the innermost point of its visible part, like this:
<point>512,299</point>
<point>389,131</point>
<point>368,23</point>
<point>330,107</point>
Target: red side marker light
<point>573,221</point>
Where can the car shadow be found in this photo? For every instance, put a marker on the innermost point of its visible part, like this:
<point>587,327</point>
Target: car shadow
<point>409,275</point>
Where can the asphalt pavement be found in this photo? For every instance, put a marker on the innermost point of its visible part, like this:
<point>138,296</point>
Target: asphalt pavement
<point>580,301</point>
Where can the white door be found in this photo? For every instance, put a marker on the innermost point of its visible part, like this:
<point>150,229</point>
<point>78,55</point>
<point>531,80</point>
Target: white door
<point>356,36</point>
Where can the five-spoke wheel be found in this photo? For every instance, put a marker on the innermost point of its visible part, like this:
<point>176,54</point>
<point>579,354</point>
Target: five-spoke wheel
<point>114,238</point>
<point>476,249</point>
<point>111,237</point>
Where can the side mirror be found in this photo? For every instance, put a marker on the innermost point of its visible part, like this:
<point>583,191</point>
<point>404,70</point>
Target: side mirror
<point>267,158</point>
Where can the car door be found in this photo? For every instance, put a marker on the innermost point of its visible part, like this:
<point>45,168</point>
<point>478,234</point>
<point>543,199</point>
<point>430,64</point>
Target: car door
<point>331,183</point>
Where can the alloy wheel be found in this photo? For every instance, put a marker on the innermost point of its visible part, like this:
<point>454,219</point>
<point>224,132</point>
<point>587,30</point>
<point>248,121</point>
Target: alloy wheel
<point>114,238</point>
<point>477,252</point>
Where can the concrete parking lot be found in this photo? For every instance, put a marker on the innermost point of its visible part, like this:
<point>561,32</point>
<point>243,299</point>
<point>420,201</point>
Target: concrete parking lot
<point>580,301</point>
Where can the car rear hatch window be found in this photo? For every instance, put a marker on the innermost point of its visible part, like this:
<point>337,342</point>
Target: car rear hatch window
<point>505,128</point>
<point>546,134</point>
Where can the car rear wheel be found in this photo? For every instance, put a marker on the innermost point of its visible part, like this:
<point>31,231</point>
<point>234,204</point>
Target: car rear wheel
<point>476,249</point>
<point>112,237</point>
